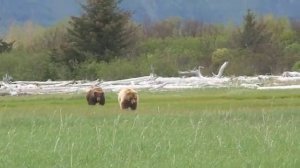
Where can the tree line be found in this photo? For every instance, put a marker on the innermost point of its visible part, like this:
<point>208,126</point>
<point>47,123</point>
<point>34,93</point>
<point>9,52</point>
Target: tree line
<point>104,43</point>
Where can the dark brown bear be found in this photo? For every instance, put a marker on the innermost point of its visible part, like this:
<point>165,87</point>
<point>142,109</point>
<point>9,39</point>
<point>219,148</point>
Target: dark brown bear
<point>95,95</point>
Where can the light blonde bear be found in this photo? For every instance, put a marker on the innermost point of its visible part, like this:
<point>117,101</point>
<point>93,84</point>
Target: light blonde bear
<point>128,98</point>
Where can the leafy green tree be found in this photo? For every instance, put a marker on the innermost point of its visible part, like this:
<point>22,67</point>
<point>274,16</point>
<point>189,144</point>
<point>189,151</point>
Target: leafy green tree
<point>25,35</point>
<point>166,28</point>
<point>102,32</point>
<point>51,38</point>
<point>291,57</point>
<point>295,24</point>
<point>282,36</point>
<point>192,28</point>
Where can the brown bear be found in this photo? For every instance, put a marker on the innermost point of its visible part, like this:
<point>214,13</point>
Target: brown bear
<point>95,95</point>
<point>128,98</point>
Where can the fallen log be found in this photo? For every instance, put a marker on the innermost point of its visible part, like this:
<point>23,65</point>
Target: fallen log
<point>291,74</point>
<point>190,73</point>
<point>221,70</point>
<point>4,92</point>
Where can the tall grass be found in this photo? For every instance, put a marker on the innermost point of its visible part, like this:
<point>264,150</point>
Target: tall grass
<point>191,128</point>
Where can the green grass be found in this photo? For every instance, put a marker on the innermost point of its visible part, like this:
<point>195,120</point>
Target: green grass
<point>191,128</point>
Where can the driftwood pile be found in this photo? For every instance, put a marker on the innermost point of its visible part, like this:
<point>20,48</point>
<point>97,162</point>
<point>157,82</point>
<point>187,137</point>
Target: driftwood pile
<point>188,80</point>
<point>151,82</point>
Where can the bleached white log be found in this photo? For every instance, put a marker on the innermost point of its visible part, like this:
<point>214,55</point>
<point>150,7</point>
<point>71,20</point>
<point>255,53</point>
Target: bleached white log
<point>147,83</point>
<point>129,81</point>
<point>195,72</point>
<point>4,92</point>
<point>279,87</point>
<point>221,70</point>
<point>291,74</point>
<point>38,82</point>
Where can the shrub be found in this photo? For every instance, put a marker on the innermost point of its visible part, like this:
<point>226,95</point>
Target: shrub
<point>22,65</point>
<point>296,66</point>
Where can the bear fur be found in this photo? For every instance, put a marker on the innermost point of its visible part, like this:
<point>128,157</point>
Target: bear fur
<point>128,98</point>
<point>95,95</point>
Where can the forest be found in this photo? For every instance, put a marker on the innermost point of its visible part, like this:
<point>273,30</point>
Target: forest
<point>105,42</point>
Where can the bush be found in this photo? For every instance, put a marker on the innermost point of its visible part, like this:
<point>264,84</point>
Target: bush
<point>219,56</point>
<point>116,69</point>
<point>22,65</point>
<point>169,55</point>
<point>296,66</point>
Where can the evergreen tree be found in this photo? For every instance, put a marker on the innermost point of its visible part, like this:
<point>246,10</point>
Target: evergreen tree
<point>253,35</point>
<point>101,32</point>
<point>255,40</point>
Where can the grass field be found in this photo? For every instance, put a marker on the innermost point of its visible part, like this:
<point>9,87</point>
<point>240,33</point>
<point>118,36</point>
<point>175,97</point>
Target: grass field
<point>191,128</point>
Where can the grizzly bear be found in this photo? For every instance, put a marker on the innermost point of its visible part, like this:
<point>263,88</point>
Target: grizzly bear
<point>95,95</point>
<point>128,98</point>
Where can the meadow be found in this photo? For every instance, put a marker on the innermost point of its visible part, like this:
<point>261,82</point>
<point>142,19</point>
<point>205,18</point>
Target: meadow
<point>186,128</point>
